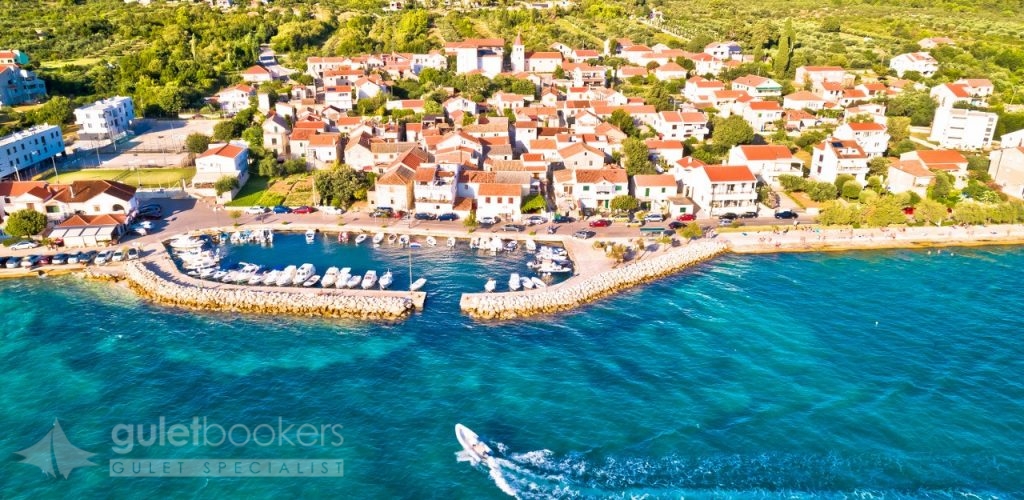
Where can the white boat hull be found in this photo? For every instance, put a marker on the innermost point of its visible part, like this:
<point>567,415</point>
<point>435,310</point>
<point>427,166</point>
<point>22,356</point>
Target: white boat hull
<point>471,442</point>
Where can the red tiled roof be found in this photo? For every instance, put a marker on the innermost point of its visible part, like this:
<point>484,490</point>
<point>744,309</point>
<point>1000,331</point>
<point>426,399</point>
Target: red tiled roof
<point>226,150</point>
<point>765,152</point>
<point>495,189</point>
<point>729,173</point>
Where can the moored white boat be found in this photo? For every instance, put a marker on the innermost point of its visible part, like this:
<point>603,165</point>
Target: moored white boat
<point>431,241</point>
<point>271,278</point>
<point>531,246</point>
<point>386,279</point>
<point>330,277</point>
<point>311,281</point>
<point>353,281</point>
<point>304,272</point>
<point>526,282</point>
<point>207,272</point>
<point>343,277</point>
<point>513,282</point>
<point>451,242</point>
<point>392,238</point>
<point>369,279</point>
<point>403,240</point>
<point>218,275</point>
<point>553,267</point>
<point>343,237</point>
<point>286,277</point>
<point>310,235</point>
<point>490,285</point>
<point>361,238</point>
<point>258,278</point>
<point>539,283</point>
<point>416,285</point>
<point>471,442</point>
<point>182,243</point>
<point>378,238</point>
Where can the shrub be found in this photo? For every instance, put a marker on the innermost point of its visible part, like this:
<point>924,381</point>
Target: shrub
<point>25,223</point>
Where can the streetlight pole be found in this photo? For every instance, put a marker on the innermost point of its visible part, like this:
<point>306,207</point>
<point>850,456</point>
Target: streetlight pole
<point>56,176</point>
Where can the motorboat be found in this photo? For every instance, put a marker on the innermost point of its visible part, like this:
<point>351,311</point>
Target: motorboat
<point>369,279</point>
<point>415,244</point>
<point>353,281</point>
<point>513,282</point>
<point>183,243</point>
<point>538,283</point>
<point>527,283</point>
<point>343,237</point>
<point>474,243</point>
<point>257,278</point>
<point>330,277</point>
<point>496,245</point>
<point>416,285</point>
<point>310,235</point>
<point>451,242</point>
<point>271,278</point>
<point>207,272</point>
<point>490,285</point>
<point>550,267</point>
<point>392,238</point>
<point>361,238</point>
<point>386,279</point>
<point>511,246</point>
<point>343,276</point>
<point>304,272</point>
<point>314,279</point>
<point>471,442</point>
<point>378,238</point>
<point>431,241</point>
<point>218,275</point>
<point>402,240</point>
<point>286,277</point>
<point>531,246</point>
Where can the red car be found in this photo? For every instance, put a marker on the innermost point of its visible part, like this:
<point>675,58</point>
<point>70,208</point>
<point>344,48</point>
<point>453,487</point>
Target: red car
<point>600,223</point>
<point>305,209</point>
<point>686,217</point>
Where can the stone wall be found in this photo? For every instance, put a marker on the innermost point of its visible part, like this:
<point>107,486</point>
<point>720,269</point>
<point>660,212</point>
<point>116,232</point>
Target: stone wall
<point>145,279</point>
<point>574,293</point>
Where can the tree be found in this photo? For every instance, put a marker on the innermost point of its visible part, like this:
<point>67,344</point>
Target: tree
<point>851,190</point>
<point>197,143</point>
<point>25,223</point>
<point>624,122</point>
<point>339,185</point>
<point>732,131</point>
<point>624,203</point>
<point>821,191</point>
<point>534,203</point>
<point>637,157</point>
<point>918,106</point>
<point>269,167</point>
<point>659,97</point>
<point>792,183</point>
<point>898,128</point>
<point>225,184</point>
<point>883,211</point>
<point>942,189</point>
<point>831,25</point>
<point>931,212</point>
<point>226,130</point>
<point>294,166</point>
<point>784,52</point>
<point>878,166</point>
<point>841,179</point>
<point>691,231</point>
<point>559,73</point>
<point>57,111</point>
<point>253,136</point>
<point>838,213</point>
<point>977,168</point>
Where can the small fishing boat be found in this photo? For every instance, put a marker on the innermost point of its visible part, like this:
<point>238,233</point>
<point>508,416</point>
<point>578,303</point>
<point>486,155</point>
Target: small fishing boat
<point>451,242</point>
<point>310,235</point>
<point>377,238</point>
<point>511,246</point>
<point>361,238</point>
<point>386,279</point>
<point>218,275</point>
<point>330,277</point>
<point>369,279</point>
<point>552,267</point>
<point>271,278</point>
<point>343,237</point>
<point>207,272</point>
<point>527,283</point>
<point>513,282</point>
<point>403,240</point>
<point>490,285</point>
<point>353,281</point>
<point>476,448</point>
<point>257,278</point>
<point>431,241</point>
<point>286,277</point>
<point>304,272</point>
<point>416,285</point>
<point>343,277</point>
<point>539,283</point>
<point>531,246</point>
<point>183,243</point>
<point>415,244</point>
<point>311,281</point>
<point>392,238</point>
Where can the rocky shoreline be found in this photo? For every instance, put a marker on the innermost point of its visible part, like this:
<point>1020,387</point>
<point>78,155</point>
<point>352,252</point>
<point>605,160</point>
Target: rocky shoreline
<point>575,293</point>
<point>146,280</point>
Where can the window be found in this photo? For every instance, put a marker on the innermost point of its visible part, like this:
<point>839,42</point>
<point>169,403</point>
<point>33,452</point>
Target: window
<point>586,188</point>
<point>618,188</point>
<point>487,199</point>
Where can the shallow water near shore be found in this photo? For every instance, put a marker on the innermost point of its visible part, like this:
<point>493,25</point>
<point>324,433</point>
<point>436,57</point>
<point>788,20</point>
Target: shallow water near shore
<point>891,373</point>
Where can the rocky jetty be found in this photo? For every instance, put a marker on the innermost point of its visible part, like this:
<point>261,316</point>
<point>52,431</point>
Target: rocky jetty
<point>579,291</point>
<point>151,281</point>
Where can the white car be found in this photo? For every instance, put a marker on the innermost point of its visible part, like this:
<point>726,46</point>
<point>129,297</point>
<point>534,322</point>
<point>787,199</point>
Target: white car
<point>256,210</point>
<point>24,245</point>
<point>488,220</point>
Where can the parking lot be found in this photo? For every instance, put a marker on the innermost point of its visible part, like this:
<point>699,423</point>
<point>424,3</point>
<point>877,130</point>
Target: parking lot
<point>156,143</point>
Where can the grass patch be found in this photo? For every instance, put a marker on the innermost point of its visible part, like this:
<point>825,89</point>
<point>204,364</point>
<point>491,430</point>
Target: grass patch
<point>60,63</point>
<point>251,192</point>
<point>144,177</point>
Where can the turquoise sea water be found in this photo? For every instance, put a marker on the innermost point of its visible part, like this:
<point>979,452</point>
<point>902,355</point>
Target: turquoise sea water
<point>877,374</point>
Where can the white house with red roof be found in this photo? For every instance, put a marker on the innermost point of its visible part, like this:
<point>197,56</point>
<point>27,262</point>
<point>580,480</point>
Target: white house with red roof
<point>908,175</point>
<point>724,50</point>
<point>873,137</point>
<point>1006,166</point>
<point>503,201</point>
<point>236,98</point>
<point>655,191</point>
<point>804,99</point>
<point>324,149</point>
<point>761,115</point>
<point>589,189</point>
<point>767,161</point>
<point>721,189</point>
<point>921,62</point>
<point>944,160</point>
<point>13,57</point>
<point>973,92</point>
<point>220,160</point>
<point>257,74</point>
<point>834,156</point>
<point>668,150</point>
<point>670,71</point>
<point>339,97</point>
<point>581,156</point>
<point>700,90</point>
<point>758,86</point>
<point>681,125</point>
<point>485,55</point>
<point>542,62</point>
<point>935,42</point>
<point>57,201</point>
<point>816,75</point>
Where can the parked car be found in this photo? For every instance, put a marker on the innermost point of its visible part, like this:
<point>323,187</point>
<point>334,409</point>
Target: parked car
<point>728,215</point>
<point>536,219</point>
<point>723,221</point>
<point>29,261</point>
<point>59,259</point>
<point>304,209</point>
<point>73,258</point>
<point>676,225</point>
<point>514,228</point>
<point>281,209</point>
<point>3,260</point>
<point>102,258</point>
<point>748,215</point>
<point>563,219</point>
<point>89,257</point>
<point>45,260</point>
<point>686,217</point>
<point>448,216</point>
<point>133,253</point>
<point>488,220</point>
<point>654,218</point>
<point>584,234</point>
<point>600,223</point>
<point>13,263</point>
<point>332,210</point>
<point>257,210</point>
<point>425,216</point>
<point>24,245</point>
<point>117,256</point>
<point>382,212</point>
<point>139,230</point>
<point>786,214</point>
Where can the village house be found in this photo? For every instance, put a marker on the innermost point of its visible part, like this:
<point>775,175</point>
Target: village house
<point>872,137</point>
<point>973,92</point>
<point>339,97</point>
<point>13,57</point>
<point>724,51</point>
<point>29,147</point>
<point>815,76</point>
<point>485,55</point>
<point>236,98</point>
<point>106,119</point>
<point>588,190</point>
<point>722,189</point>
<point>700,90</point>
<point>1006,166</point>
<point>59,201</point>
<point>220,160</point>
<point>921,62</point>
<point>503,201</point>
<point>833,157</point>
<point>668,151</point>
<point>957,128</point>
<point>275,134</point>
<point>257,74</point>
<point>935,42</point>
<point>324,149</point>
<point>435,187</point>
<point>943,160</point>
<point>761,115</point>
<point>758,86</point>
<point>1012,139</point>
<point>804,99</point>
<point>19,86</point>
<point>908,175</point>
<point>670,71</point>
<point>581,156</point>
<point>654,191</point>
<point>767,161</point>
<point>394,188</point>
<point>681,125</point>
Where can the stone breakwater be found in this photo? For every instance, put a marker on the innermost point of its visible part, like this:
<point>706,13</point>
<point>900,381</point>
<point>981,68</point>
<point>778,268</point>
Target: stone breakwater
<point>575,293</point>
<point>147,280</point>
